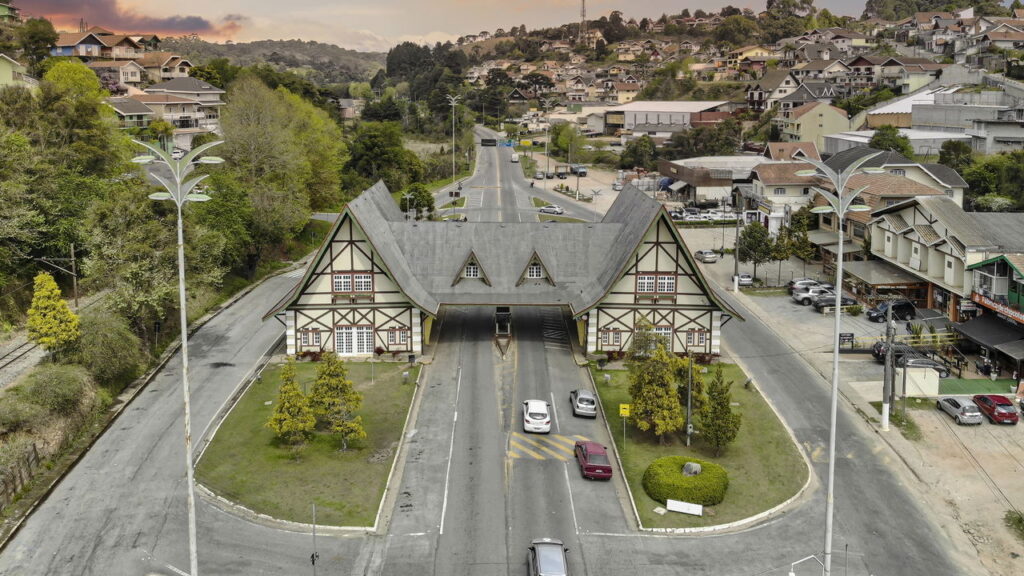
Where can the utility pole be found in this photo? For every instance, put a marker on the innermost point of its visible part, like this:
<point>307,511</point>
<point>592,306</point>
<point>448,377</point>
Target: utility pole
<point>735,255</point>
<point>890,337</point>
<point>689,394</point>
<point>315,555</point>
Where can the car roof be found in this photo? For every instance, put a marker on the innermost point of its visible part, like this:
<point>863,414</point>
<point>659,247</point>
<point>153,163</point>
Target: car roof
<point>536,404</point>
<point>592,447</point>
<point>584,392</point>
<point>996,398</point>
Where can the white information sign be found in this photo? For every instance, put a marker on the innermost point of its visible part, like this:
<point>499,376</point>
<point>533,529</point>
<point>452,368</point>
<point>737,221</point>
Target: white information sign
<point>685,507</point>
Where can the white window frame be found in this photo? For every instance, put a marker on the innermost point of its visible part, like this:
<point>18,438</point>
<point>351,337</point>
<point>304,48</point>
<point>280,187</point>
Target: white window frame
<point>339,283</point>
<point>472,270</point>
<point>616,338</point>
<point>898,172</point>
<point>646,283</point>
<point>689,337</point>
<point>702,338</point>
<point>666,284</point>
<point>606,337</point>
<point>534,271</point>
<point>780,191</point>
<point>362,282</point>
<point>353,340</point>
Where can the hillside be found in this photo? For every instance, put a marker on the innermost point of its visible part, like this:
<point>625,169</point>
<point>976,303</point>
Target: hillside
<point>318,62</point>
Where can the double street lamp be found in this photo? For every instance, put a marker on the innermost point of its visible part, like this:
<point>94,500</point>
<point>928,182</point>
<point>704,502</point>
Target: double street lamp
<point>180,190</point>
<point>839,202</point>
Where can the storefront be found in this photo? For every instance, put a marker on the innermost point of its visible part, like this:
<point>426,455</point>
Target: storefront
<point>999,339</point>
<point>874,280</point>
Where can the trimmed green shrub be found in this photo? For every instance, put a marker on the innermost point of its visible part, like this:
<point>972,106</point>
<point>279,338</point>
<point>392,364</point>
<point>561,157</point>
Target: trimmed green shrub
<point>855,310</point>
<point>60,389</point>
<point>17,414</point>
<point>109,350</point>
<point>664,480</point>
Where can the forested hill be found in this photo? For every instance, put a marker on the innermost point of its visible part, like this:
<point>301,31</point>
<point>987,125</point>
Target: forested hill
<point>898,9</point>
<point>317,62</point>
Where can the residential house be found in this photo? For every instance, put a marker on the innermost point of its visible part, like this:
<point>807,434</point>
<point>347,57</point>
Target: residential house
<point>936,241</point>
<point>13,73</point>
<point>164,66</point>
<point>205,94</point>
<point>936,176</point>
<point>81,44</point>
<point>9,14</point>
<point>182,113</point>
<point>711,180</point>
<point>1003,133</point>
<point>778,191</point>
<point>865,70</point>
<point>849,41</point>
<point>121,73</point>
<point>791,151</point>
<point>380,281</point>
<point>622,92</point>
<point>592,37</point>
<point>828,70</point>
<point>131,113</point>
<point>811,91</point>
<point>810,122</point>
<point>765,92</point>
<point>738,55</point>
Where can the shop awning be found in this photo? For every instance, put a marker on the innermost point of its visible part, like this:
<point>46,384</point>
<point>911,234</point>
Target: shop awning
<point>989,331</point>
<point>1013,349</point>
<point>879,273</point>
<point>848,248</point>
<point>823,237</point>
<point>675,186</point>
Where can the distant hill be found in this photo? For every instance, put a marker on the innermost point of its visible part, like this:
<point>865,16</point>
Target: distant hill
<point>320,63</point>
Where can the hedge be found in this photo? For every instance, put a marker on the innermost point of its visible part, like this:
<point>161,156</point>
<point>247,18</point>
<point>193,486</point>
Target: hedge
<point>664,480</point>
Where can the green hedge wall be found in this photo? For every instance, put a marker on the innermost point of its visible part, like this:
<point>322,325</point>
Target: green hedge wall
<point>664,480</point>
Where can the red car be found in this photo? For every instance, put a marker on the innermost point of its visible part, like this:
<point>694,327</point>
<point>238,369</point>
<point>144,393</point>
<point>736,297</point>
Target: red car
<point>998,409</point>
<point>593,460</point>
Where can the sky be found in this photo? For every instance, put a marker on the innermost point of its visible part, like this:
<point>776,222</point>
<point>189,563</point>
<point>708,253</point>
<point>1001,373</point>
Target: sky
<point>365,25</point>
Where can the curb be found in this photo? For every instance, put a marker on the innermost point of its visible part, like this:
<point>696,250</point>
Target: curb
<point>244,513</point>
<point>132,391</point>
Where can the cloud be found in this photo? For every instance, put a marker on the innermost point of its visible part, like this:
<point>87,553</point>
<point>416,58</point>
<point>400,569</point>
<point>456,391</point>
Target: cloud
<point>111,15</point>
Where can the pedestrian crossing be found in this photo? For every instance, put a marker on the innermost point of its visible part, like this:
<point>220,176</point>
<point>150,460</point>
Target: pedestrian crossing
<point>542,446</point>
<point>556,337</point>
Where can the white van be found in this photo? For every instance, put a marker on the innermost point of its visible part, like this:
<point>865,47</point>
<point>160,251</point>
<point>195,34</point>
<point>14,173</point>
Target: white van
<point>515,157</point>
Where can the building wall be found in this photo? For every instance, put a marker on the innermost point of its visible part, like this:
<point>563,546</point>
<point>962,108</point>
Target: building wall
<point>949,117</point>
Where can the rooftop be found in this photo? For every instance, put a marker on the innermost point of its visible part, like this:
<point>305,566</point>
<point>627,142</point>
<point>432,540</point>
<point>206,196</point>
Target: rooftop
<point>669,106</point>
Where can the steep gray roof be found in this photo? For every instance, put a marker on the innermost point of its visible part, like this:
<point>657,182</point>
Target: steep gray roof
<point>1002,229</point>
<point>945,174</point>
<point>961,224</point>
<point>188,84</point>
<point>128,106</point>
<point>842,160</point>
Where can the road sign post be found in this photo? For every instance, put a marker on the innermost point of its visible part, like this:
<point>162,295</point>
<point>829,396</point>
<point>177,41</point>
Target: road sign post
<point>624,414</point>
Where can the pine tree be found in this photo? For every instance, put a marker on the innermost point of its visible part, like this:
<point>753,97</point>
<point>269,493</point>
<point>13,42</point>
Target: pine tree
<point>655,402</point>
<point>719,425</point>
<point>334,401</point>
<point>51,323</point>
<point>292,419</point>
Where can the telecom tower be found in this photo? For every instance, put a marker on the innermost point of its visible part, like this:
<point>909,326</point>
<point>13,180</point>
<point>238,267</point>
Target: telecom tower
<point>582,38</point>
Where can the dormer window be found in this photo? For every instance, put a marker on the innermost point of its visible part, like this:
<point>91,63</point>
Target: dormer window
<point>534,271</point>
<point>472,270</point>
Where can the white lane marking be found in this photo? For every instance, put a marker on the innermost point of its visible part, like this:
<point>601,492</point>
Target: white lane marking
<point>451,449</point>
<point>175,570</point>
<point>572,505</point>
<point>554,413</point>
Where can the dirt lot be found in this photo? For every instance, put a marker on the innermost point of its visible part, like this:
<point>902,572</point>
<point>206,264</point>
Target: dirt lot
<point>968,476</point>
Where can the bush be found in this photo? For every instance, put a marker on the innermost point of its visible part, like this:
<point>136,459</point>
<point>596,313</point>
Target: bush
<point>17,414</point>
<point>664,480</point>
<point>109,350</point>
<point>62,390</point>
<point>855,310</point>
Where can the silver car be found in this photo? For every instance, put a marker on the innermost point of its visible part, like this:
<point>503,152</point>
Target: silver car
<point>963,411</point>
<point>807,295</point>
<point>584,403</point>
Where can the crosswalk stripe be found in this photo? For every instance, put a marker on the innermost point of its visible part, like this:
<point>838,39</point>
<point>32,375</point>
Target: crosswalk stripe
<point>561,447</point>
<point>569,441</point>
<point>529,452</point>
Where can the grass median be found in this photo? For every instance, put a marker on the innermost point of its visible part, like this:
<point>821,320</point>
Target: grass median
<point>246,465</point>
<point>765,468</point>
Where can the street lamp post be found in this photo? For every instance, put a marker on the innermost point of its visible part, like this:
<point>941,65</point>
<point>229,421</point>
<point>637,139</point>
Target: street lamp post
<point>453,100</point>
<point>179,190</point>
<point>839,202</point>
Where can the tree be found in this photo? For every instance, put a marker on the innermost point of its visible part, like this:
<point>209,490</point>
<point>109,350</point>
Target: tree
<point>292,420</point>
<point>162,131</point>
<point>888,137</point>
<point>334,401</point>
<point>207,74</point>
<point>655,403</point>
<point>36,35</point>
<point>956,155</point>
<point>644,340</point>
<point>737,30</point>
<point>698,398</point>
<point>639,153</point>
<point>51,323</point>
<point>421,200</point>
<point>108,349</point>
<point>993,203</point>
<point>782,247</point>
<point>755,245</point>
<point>718,140</point>
<point>719,425</point>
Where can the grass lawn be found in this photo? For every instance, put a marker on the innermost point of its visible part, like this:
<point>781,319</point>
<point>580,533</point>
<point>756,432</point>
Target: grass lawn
<point>552,218</point>
<point>538,203</point>
<point>765,292</point>
<point>459,202</point>
<point>245,464</point>
<point>908,427</point>
<point>765,468</point>
<point>971,386</point>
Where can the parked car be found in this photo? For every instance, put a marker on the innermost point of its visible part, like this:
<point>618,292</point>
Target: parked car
<point>806,295</point>
<point>584,403</point>
<point>799,283</point>
<point>536,417</point>
<point>178,154</point>
<point>546,557</point>
<point>677,216</point>
<point>696,218</point>
<point>617,186</point>
<point>880,349</point>
<point>998,409</point>
<point>593,460</point>
<point>745,279</point>
<point>706,256</point>
<point>901,310</point>
<point>538,175</point>
<point>550,175</point>
<point>829,301</point>
<point>962,411</point>
<point>552,209</point>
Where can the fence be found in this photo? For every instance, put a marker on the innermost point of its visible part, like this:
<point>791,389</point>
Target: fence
<point>18,474</point>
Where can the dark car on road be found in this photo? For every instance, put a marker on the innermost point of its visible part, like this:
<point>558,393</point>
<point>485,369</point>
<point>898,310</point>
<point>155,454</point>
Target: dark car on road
<point>546,557</point>
<point>901,310</point>
<point>998,409</point>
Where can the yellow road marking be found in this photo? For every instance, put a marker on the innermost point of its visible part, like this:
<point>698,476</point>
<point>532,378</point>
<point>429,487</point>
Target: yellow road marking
<point>569,449</point>
<point>539,446</point>
<point>529,452</point>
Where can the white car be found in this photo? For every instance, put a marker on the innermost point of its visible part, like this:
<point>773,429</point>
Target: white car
<point>552,209</point>
<point>617,186</point>
<point>536,416</point>
<point>177,154</point>
<point>745,279</point>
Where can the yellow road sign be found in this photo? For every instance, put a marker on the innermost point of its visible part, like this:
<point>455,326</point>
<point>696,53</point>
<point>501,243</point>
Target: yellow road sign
<point>624,410</point>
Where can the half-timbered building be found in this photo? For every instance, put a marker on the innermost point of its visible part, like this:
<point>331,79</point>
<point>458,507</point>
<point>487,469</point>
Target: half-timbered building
<point>379,280</point>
